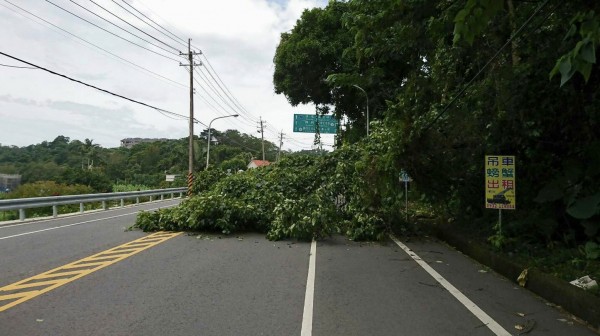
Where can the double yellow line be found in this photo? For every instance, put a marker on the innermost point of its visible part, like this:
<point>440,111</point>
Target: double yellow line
<point>27,289</point>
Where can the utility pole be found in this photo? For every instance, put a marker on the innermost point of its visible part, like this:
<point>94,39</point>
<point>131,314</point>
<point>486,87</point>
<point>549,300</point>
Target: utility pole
<point>190,56</point>
<point>262,135</point>
<point>280,144</point>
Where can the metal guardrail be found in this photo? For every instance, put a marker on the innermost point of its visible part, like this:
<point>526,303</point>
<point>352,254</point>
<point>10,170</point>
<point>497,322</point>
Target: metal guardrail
<point>54,201</point>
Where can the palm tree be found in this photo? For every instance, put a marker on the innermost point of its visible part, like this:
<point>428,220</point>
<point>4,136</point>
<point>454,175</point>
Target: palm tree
<point>90,150</point>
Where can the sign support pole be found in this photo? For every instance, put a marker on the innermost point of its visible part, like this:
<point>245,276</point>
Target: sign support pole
<point>500,221</point>
<point>406,198</point>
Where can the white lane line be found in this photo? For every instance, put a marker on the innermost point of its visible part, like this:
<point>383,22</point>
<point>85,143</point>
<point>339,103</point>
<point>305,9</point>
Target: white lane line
<point>307,316</point>
<point>470,305</point>
<point>74,215</point>
<point>74,224</point>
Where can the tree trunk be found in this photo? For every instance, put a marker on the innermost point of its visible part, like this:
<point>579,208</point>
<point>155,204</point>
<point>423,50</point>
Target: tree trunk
<point>513,28</point>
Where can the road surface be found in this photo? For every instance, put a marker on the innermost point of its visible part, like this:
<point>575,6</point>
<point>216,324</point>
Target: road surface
<point>87,275</point>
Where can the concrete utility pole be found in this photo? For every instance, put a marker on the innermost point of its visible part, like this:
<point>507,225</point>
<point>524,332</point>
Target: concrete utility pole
<point>190,55</point>
<point>280,144</point>
<point>262,135</point>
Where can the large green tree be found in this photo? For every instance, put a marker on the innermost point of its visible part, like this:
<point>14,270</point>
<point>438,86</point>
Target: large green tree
<point>449,85</point>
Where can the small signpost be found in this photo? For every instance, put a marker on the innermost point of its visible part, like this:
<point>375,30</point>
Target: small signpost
<point>500,184</point>
<point>405,178</point>
<point>307,123</point>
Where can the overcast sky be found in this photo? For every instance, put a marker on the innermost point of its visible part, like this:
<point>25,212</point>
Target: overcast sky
<point>238,37</point>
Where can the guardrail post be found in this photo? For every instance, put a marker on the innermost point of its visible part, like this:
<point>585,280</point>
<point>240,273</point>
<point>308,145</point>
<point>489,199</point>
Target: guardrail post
<point>172,195</point>
<point>162,197</point>
<point>180,195</point>
<point>151,198</point>
<point>54,211</point>
<point>122,202</point>
<point>81,207</point>
<point>104,207</point>
<point>137,200</point>
<point>22,214</point>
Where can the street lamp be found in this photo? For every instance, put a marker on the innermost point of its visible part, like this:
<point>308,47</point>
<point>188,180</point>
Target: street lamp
<point>366,95</point>
<point>210,123</point>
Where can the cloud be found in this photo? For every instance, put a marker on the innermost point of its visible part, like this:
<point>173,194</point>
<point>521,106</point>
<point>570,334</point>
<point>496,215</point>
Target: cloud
<point>238,37</point>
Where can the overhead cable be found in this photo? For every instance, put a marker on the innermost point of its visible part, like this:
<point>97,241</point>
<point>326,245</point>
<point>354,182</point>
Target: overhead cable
<point>97,88</point>
<point>121,28</point>
<point>108,31</point>
<point>178,40</point>
<point>134,27</point>
<point>165,29</point>
<point>460,93</point>
<point>18,67</point>
<point>89,43</point>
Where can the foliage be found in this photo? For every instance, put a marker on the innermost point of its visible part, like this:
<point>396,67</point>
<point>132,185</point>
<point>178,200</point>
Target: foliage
<point>586,26</point>
<point>91,178</point>
<point>47,188</point>
<point>129,187</point>
<point>301,197</point>
<point>407,55</point>
<point>75,162</point>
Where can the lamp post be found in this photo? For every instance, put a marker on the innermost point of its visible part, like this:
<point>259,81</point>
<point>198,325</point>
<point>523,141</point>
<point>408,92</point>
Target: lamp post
<point>366,95</point>
<point>208,145</point>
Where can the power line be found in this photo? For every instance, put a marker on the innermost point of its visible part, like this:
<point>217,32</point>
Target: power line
<point>180,40</point>
<point>216,102</point>
<point>97,88</point>
<point>212,87</point>
<point>89,43</point>
<point>134,27</point>
<point>226,90</point>
<point>121,28</point>
<point>184,41</point>
<point>108,31</point>
<point>237,107</point>
<point>14,66</point>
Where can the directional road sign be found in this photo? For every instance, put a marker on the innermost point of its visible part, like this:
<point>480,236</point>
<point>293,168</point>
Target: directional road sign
<point>306,123</point>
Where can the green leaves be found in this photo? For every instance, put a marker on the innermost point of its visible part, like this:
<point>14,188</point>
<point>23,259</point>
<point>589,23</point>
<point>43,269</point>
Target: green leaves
<point>592,250</point>
<point>585,208</point>
<point>473,19</point>
<point>551,192</point>
<point>583,56</point>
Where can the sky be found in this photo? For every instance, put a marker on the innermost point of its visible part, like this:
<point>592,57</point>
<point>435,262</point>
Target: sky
<point>237,39</point>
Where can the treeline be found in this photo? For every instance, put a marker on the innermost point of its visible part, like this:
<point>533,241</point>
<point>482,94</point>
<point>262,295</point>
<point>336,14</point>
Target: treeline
<point>74,162</point>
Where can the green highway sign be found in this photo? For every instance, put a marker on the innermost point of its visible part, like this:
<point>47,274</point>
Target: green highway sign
<point>306,123</point>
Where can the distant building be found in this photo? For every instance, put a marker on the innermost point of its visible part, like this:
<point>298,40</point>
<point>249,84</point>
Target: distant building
<point>258,163</point>
<point>9,182</point>
<point>130,142</point>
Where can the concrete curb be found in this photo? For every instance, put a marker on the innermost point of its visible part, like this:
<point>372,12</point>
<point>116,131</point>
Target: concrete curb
<point>584,305</point>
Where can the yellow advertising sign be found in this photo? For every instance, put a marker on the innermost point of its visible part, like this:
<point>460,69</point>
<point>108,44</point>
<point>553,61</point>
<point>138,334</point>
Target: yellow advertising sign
<point>500,176</point>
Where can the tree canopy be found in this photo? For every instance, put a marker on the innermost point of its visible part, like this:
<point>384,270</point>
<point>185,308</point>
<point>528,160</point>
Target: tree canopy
<point>452,81</point>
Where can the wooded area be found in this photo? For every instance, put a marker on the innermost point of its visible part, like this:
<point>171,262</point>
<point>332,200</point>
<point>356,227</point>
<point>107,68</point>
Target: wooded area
<point>73,162</point>
<point>449,82</point>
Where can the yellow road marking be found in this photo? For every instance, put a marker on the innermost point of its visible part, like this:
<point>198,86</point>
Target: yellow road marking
<point>66,274</point>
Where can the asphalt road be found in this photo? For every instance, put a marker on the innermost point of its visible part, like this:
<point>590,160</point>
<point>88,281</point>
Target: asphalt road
<point>247,285</point>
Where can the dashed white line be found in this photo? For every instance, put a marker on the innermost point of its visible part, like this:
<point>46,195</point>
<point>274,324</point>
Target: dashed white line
<point>307,316</point>
<point>470,305</point>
